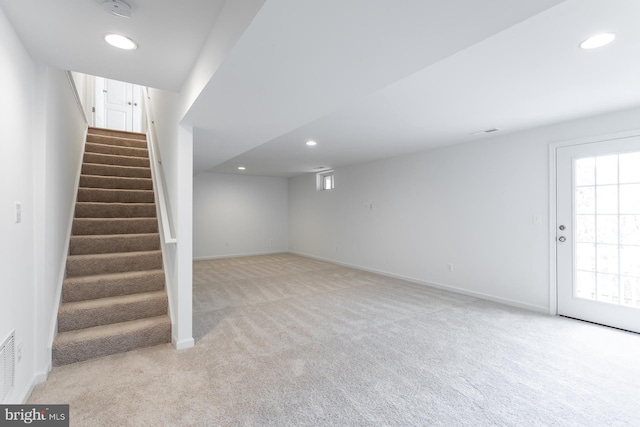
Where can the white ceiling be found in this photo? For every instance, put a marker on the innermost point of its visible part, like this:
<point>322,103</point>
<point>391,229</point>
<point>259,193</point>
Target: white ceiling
<point>68,34</point>
<point>422,76</point>
<point>366,79</point>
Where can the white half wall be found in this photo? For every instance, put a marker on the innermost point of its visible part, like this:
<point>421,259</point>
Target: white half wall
<point>236,215</point>
<point>175,145</point>
<point>473,206</point>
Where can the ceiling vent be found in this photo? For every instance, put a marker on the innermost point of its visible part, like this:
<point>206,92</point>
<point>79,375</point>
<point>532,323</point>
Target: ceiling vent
<point>118,8</point>
<point>482,132</point>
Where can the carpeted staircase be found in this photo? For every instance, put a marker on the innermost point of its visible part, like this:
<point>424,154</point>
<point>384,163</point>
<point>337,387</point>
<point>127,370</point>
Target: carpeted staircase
<point>113,296</point>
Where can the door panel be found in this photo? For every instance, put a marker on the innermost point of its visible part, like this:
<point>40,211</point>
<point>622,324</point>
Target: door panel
<point>118,105</point>
<point>598,235</point>
<point>118,101</point>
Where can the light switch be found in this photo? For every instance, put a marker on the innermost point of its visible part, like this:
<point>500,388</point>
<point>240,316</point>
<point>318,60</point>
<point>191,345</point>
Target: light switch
<point>18,217</point>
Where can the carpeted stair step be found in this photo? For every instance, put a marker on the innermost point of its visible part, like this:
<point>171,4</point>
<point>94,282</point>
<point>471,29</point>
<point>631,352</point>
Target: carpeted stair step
<point>111,285</point>
<point>115,210</point>
<point>113,243</point>
<point>115,150</point>
<point>116,133</point>
<point>115,182</point>
<point>110,159</point>
<point>114,195</point>
<point>115,140</point>
<point>107,171</point>
<point>93,226</point>
<point>99,341</point>
<point>90,264</point>
<point>104,311</point>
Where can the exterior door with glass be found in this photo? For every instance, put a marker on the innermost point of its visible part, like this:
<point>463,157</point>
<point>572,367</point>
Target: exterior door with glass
<point>598,232</point>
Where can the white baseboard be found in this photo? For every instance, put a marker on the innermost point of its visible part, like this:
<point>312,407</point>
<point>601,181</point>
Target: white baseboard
<point>480,295</point>
<point>204,258</point>
<point>38,378</point>
<point>183,344</point>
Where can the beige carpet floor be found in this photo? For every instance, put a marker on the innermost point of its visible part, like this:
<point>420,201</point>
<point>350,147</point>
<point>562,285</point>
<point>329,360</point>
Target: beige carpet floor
<point>284,340</point>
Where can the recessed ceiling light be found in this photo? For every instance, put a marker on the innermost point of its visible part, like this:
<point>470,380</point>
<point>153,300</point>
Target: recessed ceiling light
<point>598,40</point>
<point>241,168</point>
<point>121,42</point>
<point>311,143</point>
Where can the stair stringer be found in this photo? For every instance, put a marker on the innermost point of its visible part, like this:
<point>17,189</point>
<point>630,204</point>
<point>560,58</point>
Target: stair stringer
<point>53,331</point>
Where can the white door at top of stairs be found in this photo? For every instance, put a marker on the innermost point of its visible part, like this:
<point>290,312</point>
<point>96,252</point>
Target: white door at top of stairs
<point>117,105</point>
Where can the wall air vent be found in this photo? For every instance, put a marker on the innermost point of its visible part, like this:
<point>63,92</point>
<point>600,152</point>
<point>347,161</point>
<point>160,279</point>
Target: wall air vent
<point>7,366</point>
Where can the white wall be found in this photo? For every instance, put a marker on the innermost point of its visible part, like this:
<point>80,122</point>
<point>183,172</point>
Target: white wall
<point>175,144</point>
<point>42,131</point>
<point>17,245</point>
<point>230,24</point>
<point>61,132</point>
<point>470,205</point>
<point>237,214</point>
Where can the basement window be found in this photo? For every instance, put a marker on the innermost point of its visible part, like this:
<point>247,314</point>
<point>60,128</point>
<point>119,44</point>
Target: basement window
<point>325,181</point>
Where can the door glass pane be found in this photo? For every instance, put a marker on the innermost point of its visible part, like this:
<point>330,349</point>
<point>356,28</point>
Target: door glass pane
<point>607,199</point>
<point>607,259</point>
<point>586,256</point>
<point>585,200</point>
<point>585,172</point>
<point>630,260</point>
<point>630,229</point>
<point>607,229</point>
<point>607,170</point>
<point>630,199</point>
<point>608,288</point>
<point>585,285</point>
<point>630,168</point>
<point>585,228</point>
<point>631,291</point>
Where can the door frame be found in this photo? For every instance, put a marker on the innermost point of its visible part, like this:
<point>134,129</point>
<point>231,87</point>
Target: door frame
<point>553,211</point>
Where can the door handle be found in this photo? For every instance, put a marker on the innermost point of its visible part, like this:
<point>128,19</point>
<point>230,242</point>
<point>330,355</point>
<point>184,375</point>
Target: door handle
<point>562,239</point>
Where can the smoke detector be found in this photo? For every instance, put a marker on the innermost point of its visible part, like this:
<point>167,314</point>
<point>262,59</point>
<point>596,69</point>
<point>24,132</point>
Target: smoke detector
<point>118,8</point>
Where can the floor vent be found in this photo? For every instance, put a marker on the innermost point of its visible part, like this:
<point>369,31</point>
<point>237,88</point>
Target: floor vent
<point>7,366</point>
